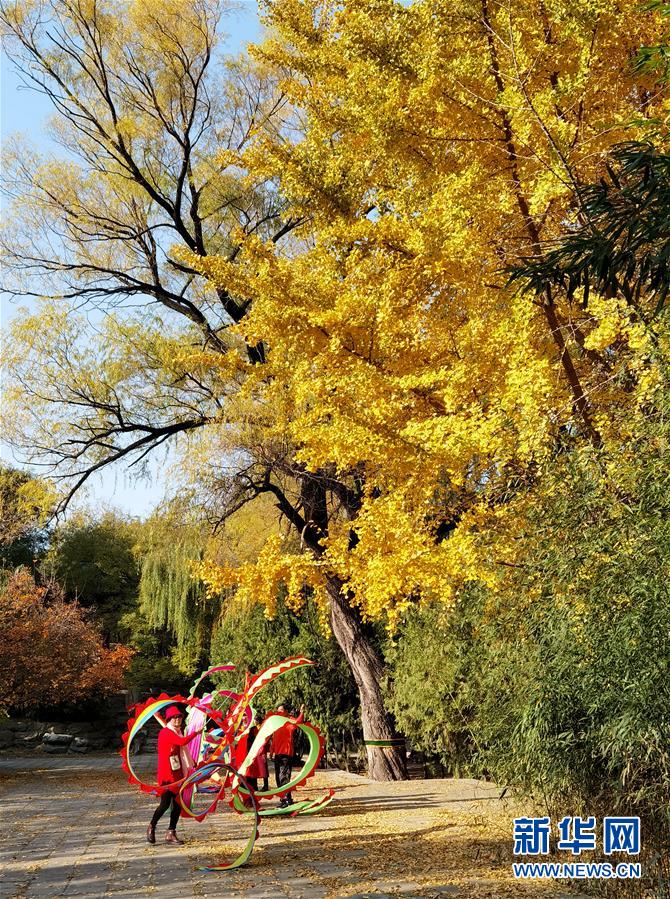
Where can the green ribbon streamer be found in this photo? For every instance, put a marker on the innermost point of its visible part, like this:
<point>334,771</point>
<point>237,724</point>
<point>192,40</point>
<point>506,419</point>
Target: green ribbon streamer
<point>394,743</point>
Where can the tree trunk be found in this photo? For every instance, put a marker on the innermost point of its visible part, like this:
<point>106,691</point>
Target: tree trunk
<point>367,667</point>
<point>384,762</point>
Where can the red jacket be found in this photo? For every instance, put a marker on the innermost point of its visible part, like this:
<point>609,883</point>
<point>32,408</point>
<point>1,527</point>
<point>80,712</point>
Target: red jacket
<point>240,750</point>
<point>259,766</point>
<point>282,739</point>
<point>168,746</point>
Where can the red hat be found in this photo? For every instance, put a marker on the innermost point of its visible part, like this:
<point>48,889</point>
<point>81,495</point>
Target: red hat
<point>173,712</point>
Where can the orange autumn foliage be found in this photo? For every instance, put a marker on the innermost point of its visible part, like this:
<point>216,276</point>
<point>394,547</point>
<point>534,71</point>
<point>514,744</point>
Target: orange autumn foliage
<point>49,653</point>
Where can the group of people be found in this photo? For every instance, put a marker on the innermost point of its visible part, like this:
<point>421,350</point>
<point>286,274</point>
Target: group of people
<point>175,762</point>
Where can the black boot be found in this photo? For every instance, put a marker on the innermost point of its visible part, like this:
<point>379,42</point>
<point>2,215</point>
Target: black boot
<point>151,834</point>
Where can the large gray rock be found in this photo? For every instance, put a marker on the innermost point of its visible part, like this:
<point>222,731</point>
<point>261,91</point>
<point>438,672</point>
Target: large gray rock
<point>24,727</point>
<point>53,740</point>
<point>79,744</point>
<point>53,748</point>
<point>6,738</point>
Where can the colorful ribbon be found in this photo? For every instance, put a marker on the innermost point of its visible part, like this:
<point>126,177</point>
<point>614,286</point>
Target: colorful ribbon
<point>213,753</point>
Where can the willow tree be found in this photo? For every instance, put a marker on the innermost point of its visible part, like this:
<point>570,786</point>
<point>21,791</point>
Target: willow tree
<point>170,597</point>
<point>412,152</point>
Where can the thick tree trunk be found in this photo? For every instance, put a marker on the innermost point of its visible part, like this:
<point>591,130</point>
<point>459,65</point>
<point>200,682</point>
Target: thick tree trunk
<point>367,667</point>
<point>384,762</point>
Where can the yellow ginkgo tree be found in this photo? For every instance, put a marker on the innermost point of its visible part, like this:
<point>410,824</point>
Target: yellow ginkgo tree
<point>442,142</point>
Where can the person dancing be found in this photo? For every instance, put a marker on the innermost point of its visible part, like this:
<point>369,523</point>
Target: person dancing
<point>174,763</point>
<point>258,769</point>
<point>281,749</point>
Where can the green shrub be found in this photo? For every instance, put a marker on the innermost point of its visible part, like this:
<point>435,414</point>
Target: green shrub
<point>253,642</point>
<point>559,684</point>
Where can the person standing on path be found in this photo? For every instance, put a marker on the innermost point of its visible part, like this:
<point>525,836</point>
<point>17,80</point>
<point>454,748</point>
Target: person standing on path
<point>258,769</point>
<point>281,749</point>
<point>174,763</point>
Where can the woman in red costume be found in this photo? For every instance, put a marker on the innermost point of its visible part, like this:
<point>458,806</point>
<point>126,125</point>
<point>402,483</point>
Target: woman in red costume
<point>258,769</point>
<point>174,763</point>
<point>281,749</point>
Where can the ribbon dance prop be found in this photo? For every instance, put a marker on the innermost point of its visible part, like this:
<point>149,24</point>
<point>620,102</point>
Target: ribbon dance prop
<point>219,771</point>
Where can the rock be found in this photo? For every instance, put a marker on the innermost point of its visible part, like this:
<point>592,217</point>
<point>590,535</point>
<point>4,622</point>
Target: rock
<point>6,738</point>
<point>82,728</point>
<point>18,725</point>
<point>79,744</point>
<point>53,748</point>
<point>33,737</point>
<point>52,739</point>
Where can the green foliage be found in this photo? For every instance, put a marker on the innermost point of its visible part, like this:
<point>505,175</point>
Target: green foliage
<point>561,680</point>
<point>434,668</point>
<point>595,640</point>
<point>95,563</point>
<point>620,245</point>
<point>655,60</point>
<point>172,598</point>
<point>251,641</point>
<point>154,665</point>
<point>134,579</point>
<point>23,506</point>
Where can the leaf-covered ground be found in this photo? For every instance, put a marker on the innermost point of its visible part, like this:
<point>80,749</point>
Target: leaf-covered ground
<point>418,838</point>
<point>75,827</point>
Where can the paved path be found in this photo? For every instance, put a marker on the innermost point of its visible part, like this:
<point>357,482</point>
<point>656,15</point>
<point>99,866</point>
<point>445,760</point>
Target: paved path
<point>72,826</point>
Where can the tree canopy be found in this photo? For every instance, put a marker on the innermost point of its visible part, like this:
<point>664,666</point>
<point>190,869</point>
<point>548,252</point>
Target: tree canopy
<point>25,504</point>
<point>303,267</point>
<point>94,561</point>
<point>50,654</point>
<point>441,142</point>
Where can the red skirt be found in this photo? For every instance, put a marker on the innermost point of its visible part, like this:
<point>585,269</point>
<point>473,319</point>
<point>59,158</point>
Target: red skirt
<point>259,767</point>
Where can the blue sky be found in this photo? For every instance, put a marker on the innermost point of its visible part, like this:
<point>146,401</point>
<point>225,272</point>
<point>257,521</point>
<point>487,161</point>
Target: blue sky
<point>23,110</point>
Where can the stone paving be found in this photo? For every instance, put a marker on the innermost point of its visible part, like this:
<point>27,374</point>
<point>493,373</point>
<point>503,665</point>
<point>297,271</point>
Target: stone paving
<point>72,826</point>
